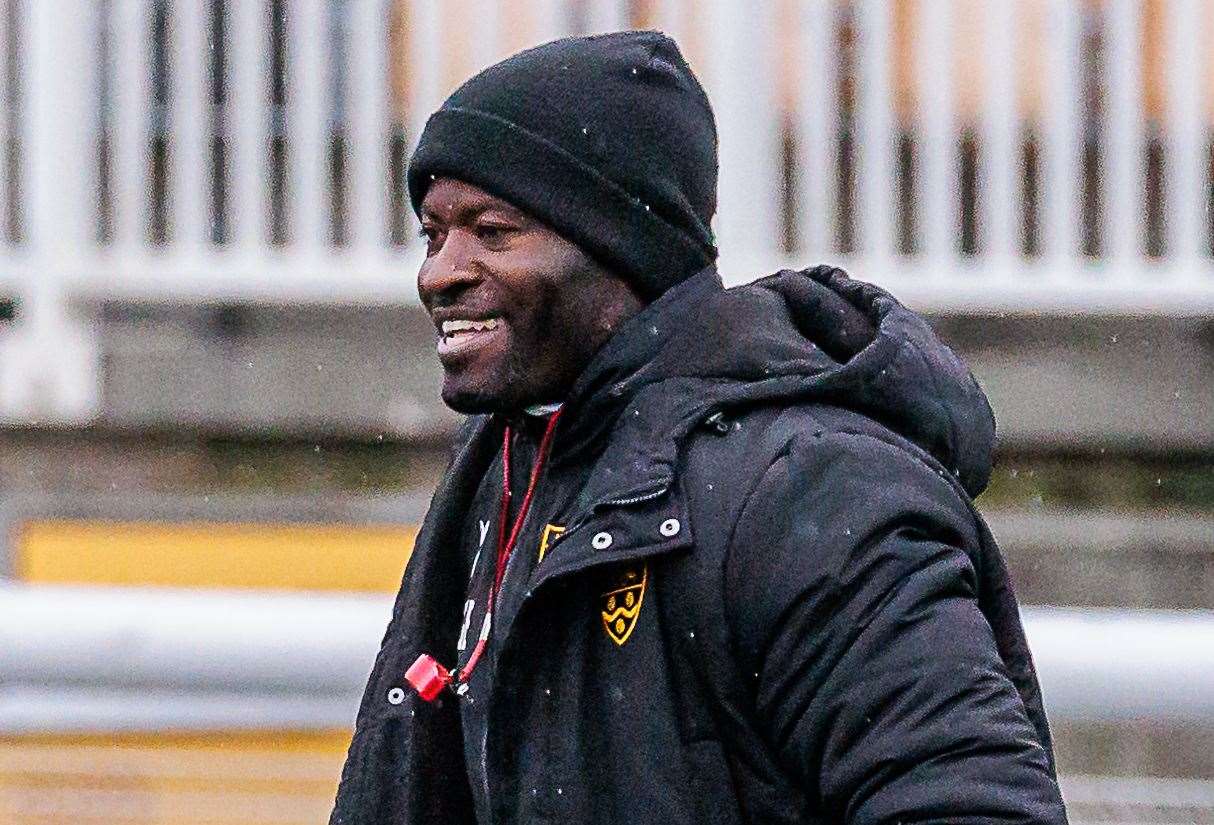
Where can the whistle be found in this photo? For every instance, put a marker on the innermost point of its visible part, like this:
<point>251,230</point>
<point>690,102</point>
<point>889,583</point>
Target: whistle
<point>427,677</point>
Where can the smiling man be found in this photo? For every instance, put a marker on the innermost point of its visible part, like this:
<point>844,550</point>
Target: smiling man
<point>703,555</point>
<point>523,333</point>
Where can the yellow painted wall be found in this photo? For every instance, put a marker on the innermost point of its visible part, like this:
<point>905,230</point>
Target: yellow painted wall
<point>223,778</point>
<point>200,554</point>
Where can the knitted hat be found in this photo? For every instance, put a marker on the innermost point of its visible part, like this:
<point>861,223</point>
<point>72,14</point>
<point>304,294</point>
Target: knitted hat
<point>609,140</point>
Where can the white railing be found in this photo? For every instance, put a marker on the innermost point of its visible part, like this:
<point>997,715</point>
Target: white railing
<point>97,661</point>
<point>111,133</point>
<point>89,658</point>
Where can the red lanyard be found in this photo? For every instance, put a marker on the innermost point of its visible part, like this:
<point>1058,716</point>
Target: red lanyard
<point>505,543</point>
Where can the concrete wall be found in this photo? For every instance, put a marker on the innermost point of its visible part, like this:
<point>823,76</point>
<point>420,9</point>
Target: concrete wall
<point>1143,384</point>
<point>298,371</point>
<point>1055,383</point>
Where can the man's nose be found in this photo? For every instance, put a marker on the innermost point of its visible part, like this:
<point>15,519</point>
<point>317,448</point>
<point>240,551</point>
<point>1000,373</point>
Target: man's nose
<point>449,271</point>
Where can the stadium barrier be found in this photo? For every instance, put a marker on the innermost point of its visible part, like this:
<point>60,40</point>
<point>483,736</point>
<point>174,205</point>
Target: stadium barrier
<point>86,658</point>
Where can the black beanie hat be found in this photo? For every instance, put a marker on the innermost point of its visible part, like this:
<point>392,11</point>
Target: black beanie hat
<point>609,140</point>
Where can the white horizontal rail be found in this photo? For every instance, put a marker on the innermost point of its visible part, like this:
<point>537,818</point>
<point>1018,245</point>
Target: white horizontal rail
<point>1120,665</point>
<point>76,657</point>
<point>224,642</point>
<point>1179,289</point>
<point>64,709</point>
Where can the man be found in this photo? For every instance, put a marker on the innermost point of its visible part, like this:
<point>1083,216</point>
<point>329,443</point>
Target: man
<point>703,555</point>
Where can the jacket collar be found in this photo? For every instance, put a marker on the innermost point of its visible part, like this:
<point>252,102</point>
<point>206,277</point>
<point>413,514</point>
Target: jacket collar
<point>630,487</point>
<point>618,371</point>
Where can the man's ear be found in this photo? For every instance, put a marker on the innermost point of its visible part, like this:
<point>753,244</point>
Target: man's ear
<point>625,301</point>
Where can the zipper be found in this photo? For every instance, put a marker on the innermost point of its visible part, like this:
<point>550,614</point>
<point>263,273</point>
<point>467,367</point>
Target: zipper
<point>528,597</point>
<point>623,502</point>
<point>615,502</point>
<point>510,642</point>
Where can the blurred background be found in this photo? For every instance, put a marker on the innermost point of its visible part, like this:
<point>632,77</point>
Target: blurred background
<point>219,401</point>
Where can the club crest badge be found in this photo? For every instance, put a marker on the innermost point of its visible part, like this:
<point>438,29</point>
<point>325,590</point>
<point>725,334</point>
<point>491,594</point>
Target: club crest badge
<point>621,607</point>
<point>550,532</point>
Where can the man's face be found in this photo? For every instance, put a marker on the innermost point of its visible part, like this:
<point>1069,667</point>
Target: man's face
<point>519,310</point>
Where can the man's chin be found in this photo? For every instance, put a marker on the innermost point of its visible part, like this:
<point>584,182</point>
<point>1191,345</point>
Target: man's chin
<point>472,401</point>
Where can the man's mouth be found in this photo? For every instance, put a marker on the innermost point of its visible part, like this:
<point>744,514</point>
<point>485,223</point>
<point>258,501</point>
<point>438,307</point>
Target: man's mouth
<point>461,334</point>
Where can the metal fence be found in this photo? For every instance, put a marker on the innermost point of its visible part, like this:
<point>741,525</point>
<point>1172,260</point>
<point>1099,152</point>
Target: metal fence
<point>81,661</point>
<point>79,658</point>
<point>984,156</point>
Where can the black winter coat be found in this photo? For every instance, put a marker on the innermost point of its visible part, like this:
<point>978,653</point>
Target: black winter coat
<point>825,633</point>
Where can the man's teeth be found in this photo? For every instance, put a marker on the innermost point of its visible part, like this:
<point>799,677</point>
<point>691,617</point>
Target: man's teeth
<point>456,327</point>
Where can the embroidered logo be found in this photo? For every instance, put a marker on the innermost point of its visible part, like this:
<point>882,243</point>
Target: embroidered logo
<point>550,531</point>
<point>622,606</point>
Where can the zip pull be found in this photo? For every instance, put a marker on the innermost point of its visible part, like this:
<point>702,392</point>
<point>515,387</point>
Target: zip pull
<point>717,423</point>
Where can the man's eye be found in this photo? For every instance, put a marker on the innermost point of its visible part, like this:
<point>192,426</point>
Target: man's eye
<point>493,232</point>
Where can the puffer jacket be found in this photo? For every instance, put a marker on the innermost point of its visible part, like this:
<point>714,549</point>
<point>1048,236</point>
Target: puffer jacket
<point>772,602</point>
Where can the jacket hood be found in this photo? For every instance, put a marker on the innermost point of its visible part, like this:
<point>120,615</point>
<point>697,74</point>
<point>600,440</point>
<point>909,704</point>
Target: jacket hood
<point>794,337</point>
<point>817,335</point>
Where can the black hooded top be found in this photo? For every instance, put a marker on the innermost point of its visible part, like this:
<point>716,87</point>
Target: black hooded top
<point>769,600</point>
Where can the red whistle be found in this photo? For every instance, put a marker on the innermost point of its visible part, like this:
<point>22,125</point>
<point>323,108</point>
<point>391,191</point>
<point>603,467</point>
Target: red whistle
<point>427,677</point>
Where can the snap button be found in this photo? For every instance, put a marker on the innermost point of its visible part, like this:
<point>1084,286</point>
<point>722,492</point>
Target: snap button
<point>396,696</point>
<point>670,527</point>
<point>601,541</point>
